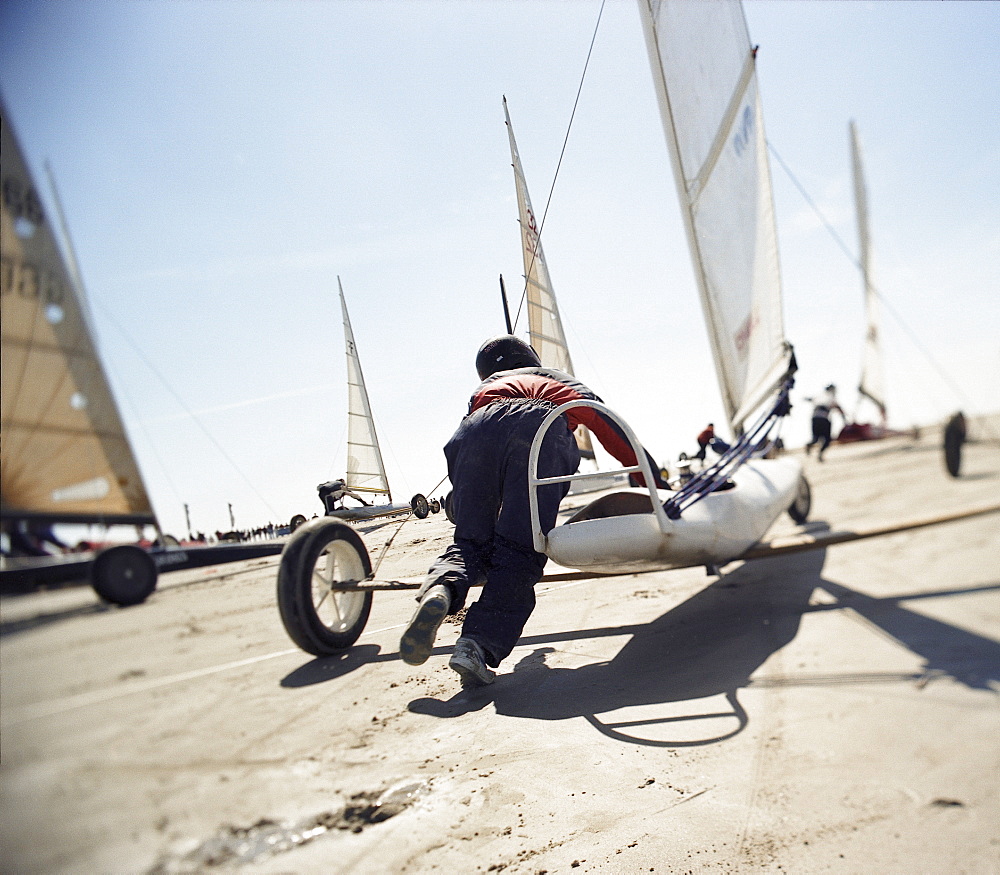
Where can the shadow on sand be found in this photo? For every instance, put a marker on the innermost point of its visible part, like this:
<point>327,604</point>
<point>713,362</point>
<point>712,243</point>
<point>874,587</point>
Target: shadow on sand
<point>40,621</point>
<point>708,647</point>
<point>328,668</point>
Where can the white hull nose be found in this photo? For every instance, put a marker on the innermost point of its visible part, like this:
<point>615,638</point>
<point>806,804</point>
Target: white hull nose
<point>614,535</point>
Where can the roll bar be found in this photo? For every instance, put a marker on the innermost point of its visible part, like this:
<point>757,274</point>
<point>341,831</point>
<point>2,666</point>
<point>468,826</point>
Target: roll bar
<point>534,481</point>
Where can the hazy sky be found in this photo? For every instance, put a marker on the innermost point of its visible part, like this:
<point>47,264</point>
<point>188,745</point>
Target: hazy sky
<point>221,163</point>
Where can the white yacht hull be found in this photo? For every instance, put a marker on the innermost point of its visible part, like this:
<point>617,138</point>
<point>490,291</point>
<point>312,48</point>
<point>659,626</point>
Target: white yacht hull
<point>713,531</point>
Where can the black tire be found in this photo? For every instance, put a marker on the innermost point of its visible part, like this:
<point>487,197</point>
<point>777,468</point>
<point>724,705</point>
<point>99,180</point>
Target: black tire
<point>435,505</point>
<point>322,552</point>
<point>124,575</point>
<point>799,510</point>
<point>295,522</point>
<point>419,506</point>
<point>449,508</point>
<point>954,438</point>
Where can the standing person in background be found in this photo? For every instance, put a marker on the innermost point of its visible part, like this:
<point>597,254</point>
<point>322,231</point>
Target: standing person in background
<point>704,439</point>
<point>821,425</point>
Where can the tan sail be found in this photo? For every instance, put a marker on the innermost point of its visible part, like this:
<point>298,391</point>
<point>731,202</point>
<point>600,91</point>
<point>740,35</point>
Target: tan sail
<point>545,328</point>
<point>64,455</point>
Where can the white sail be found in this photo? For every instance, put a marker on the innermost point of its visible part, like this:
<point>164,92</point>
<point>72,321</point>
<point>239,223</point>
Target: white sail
<point>365,471</point>
<point>545,328</point>
<point>703,70</point>
<point>872,384</point>
<point>65,455</point>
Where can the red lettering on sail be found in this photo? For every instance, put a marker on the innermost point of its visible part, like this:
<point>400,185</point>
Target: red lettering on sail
<point>742,337</point>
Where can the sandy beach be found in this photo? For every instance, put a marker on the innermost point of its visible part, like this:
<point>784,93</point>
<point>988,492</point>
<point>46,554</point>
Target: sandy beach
<point>828,711</point>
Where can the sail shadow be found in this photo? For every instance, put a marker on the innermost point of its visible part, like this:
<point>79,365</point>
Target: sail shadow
<point>708,646</point>
<point>711,645</point>
<point>947,650</point>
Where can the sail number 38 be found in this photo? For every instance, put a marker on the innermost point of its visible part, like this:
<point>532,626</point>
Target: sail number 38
<point>26,280</point>
<point>19,277</point>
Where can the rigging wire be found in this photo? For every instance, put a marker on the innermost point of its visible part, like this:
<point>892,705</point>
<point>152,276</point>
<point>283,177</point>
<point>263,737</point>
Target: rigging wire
<point>164,471</point>
<point>138,351</point>
<point>562,153</point>
<point>86,313</point>
<point>878,294</point>
<point>399,528</point>
<point>86,308</point>
<point>392,453</point>
<point>74,264</point>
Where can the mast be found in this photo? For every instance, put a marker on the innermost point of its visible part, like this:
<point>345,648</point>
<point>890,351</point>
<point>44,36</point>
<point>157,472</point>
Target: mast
<point>872,383</point>
<point>365,470</point>
<point>545,328</point>
<point>506,307</point>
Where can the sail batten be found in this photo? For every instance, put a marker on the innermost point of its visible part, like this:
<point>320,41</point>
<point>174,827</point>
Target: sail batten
<point>65,455</point>
<point>365,469</point>
<point>722,134</point>
<point>704,75</point>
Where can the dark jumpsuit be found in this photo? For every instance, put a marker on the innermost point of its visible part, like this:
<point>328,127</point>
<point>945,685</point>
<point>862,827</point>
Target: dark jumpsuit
<point>488,466</point>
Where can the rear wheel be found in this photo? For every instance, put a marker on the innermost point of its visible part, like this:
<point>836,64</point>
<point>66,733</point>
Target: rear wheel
<point>954,437</point>
<point>799,510</point>
<point>320,555</point>
<point>419,506</point>
<point>449,508</point>
<point>123,575</point>
<point>295,522</point>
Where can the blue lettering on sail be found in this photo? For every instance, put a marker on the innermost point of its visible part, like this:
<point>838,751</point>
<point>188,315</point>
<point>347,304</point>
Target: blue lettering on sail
<point>744,128</point>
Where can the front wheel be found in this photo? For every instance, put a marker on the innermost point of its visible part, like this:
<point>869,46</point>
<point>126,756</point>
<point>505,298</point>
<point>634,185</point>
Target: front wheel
<point>321,554</point>
<point>799,510</point>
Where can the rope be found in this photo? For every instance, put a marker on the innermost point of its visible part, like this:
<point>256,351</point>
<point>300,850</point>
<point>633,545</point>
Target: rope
<point>569,127</point>
<point>878,294</point>
<point>756,441</point>
<point>187,410</point>
<point>392,537</point>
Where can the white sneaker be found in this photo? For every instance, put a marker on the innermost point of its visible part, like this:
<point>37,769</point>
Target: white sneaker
<point>417,642</point>
<point>470,663</point>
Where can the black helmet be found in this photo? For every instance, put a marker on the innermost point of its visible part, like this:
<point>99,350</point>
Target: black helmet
<point>504,353</point>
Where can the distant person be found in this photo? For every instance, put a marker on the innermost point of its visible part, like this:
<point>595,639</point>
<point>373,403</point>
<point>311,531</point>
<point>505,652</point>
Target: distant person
<point>704,440</point>
<point>332,494</point>
<point>35,538</point>
<point>488,466</point>
<point>822,428</point>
